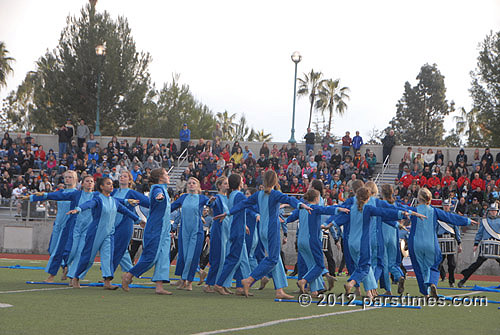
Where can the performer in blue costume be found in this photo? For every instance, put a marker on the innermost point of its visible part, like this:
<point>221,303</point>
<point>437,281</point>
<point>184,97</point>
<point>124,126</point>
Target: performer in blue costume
<point>268,201</point>
<point>489,229</point>
<point>99,235</point>
<point>392,252</point>
<point>79,222</point>
<point>236,263</point>
<point>62,230</point>
<point>124,226</point>
<point>309,241</point>
<point>190,232</point>
<point>156,243</point>
<point>423,245</point>
<point>252,238</point>
<point>219,234</point>
<point>358,240</point>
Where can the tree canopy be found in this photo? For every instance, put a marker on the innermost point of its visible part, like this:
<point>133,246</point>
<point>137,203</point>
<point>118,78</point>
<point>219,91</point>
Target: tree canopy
<point>421,110</point>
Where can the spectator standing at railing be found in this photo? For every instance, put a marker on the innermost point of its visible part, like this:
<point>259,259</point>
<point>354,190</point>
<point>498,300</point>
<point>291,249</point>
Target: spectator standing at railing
<point>388,142</point>
<point>184,137</point>
<point>82,132</point>
<point>217,133</point>
<point>357,142</point>
<point>64,137</point>
<point>327,140</point>
<point>309,137</point>
<point>346,144</point>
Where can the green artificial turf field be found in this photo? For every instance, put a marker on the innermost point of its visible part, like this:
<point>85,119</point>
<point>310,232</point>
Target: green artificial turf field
<point>51,309</point>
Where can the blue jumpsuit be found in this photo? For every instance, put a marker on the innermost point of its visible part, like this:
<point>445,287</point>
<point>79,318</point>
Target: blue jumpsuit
<point>269,232</point>
<point>156,242</point>
<point>190,234</point>
<point>252,239</point>
<point>124,228</point>
<point>423,245</point>
<point>99,235</point>
<point>357,240</point>
<point>236,263</point>
<point>219,233</point>
<point>309,244</point>
<point>62,229</point>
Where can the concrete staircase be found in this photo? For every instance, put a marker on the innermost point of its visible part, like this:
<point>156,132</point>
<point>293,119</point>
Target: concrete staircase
<point>386,175</point>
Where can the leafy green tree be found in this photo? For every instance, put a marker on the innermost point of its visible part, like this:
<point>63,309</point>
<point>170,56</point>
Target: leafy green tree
<point>259,136</point>
<point>5,64</point>
<point>332,97</point>
<point>420,112</point>
<point>167,110</point>
<point>485,90</point>
<point>65,83</point>
<point>309,86</point>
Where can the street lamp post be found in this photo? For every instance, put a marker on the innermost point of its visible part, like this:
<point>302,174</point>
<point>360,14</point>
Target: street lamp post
<point>296,58</point>
<point>100,51</point>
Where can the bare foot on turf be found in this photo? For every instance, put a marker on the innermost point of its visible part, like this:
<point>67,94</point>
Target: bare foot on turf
<point>126,280</point>
<point>280,294</point>
<point>228,290</point>
<point>263,282</point>
<point>163,292</point>
<point>240,292</point>
<point>208,289</point>
<point>203,275</point>
<point>50,279</point>
<point>302,285</point>
<point>247,282</point>
<point>220,290</point>
<point>75,283</point>
<point>65,274</point>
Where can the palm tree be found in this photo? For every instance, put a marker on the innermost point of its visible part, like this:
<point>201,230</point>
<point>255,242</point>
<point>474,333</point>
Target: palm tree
<point>468,124</point>
<point>260,136</point>
<point>227,124</point>
<point>309,86</point>
<point>241,130</point>
<point>5,65</point>
<point>332,97</point>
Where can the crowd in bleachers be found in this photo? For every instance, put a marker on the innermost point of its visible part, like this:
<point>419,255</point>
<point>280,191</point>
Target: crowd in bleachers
<point>472,183</point>
<point>28,167</point>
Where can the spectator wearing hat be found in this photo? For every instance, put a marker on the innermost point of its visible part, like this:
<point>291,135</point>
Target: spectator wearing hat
<point>184,137</point>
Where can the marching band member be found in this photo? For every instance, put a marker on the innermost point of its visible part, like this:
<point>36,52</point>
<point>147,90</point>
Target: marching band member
<point>444,228</point>
<point>489,229</point>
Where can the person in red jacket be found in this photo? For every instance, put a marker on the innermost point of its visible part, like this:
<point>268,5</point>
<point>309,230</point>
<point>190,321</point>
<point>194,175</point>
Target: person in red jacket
<point>477,182</point>
<point>462,180</point>
<point>420,178</point>
<point>433,181</point>
<point>296,187</point>
<point>447,179</point>
<point>406,180</point>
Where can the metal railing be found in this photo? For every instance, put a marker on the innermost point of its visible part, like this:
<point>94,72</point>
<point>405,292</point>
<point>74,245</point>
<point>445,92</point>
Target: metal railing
<point>385,166</point>
<point>25,210</point>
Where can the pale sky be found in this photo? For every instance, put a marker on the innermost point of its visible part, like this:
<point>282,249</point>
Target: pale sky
<point>235,55</point>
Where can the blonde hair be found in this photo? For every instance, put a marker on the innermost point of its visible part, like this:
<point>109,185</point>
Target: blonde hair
<point>269,180</point>
<point>372,187</point>
<point>219,182</point>
<point>131,183</point>
<point>73,173</point>
<point>387,193</point>
<point>198,189</point>
<point>362,197</point>
<point>424,196</point>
